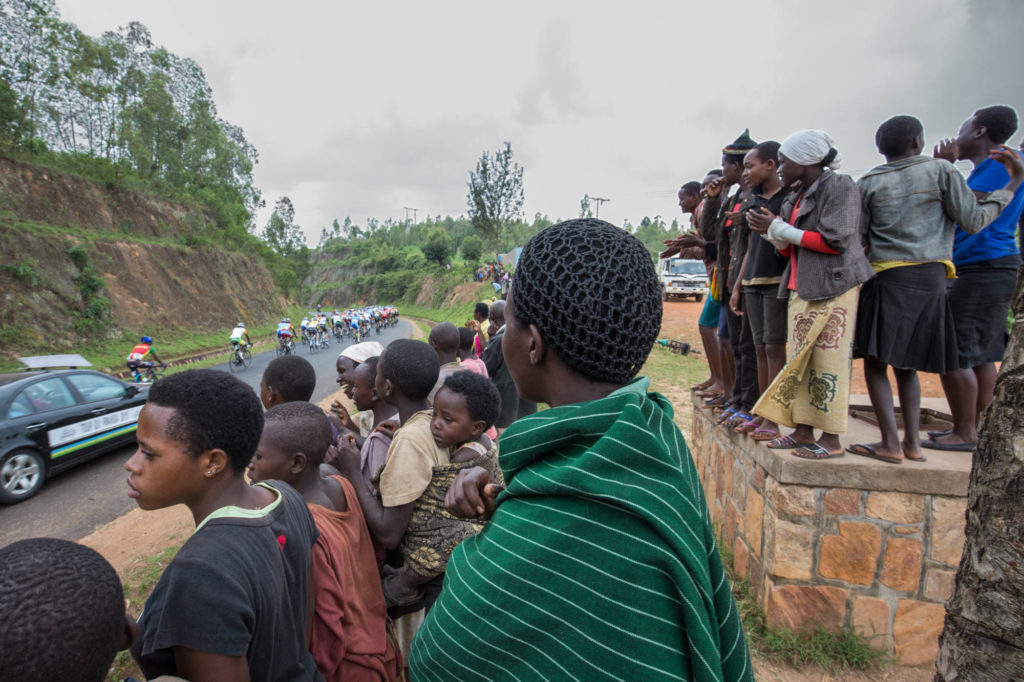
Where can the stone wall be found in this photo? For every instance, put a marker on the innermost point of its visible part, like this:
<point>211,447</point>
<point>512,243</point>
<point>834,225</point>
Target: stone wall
<point>847,542</point>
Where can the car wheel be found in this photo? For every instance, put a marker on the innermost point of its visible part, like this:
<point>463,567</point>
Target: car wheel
<point>22,474</point>
<point>699,298</point>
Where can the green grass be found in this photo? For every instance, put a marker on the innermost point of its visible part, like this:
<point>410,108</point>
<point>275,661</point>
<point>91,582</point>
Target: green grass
<point>809,646</point>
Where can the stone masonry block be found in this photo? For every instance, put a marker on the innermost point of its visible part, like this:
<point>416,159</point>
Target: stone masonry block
<point>916,630</point>
<point>901,569</point>
<point>948,522</point>
<point>895,507</point>
<point>791,500</point>
<point>938,584</point>
<point>795,606</point>
<point>851,555</point>
<point>842,502</point>
<point>793,550</point>
<point>870,617</point>
<point>753,520</point>
<point>740,558</point>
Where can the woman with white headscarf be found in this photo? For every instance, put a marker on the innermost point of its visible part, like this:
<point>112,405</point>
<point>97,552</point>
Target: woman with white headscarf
<point>819,232</point>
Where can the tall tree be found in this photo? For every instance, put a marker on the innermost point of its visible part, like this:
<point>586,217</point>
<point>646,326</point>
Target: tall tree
<point>438,247</point>
<point>984,634</point>
<point>281,233</point>
<point>495,194</point>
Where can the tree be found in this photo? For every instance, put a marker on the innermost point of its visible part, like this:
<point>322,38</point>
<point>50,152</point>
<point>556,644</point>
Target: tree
<point>585,211</point>
<point>984,634</point>
<point>471,248</point>
<point>495,194</point>
<point>281,233</point>
<point>439,246</point>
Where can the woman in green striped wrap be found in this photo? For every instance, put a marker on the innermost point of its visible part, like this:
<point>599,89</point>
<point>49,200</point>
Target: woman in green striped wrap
<point>598,560</point>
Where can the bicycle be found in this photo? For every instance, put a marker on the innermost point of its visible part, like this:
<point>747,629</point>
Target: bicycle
<point>314,343</point>
<point>147,375</point>
<point>285,346</point>
<point>240,358</point>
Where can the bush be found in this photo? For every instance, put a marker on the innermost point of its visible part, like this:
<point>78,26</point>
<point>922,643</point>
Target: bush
<point>439,246</point>
<point>24,271</point>
<point>472,248</point>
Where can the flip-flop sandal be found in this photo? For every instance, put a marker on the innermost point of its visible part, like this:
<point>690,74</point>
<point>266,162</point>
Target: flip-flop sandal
<point>747,427</point>
<point>933,444</point>
<point>815,451</point>
<point>725,415</point>
<point>761,435</point>
<point>868,451</point>
<point>939,434</point>
<point>740,417</point>
<point>707,393</point>
<point>715,402</point>
<point>919,458</point>
<point>701,386</point>
<point>399,606</point>
<point>785,443</point>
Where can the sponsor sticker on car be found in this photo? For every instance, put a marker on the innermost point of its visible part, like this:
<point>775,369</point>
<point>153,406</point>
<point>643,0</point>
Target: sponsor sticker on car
<point>91,431</point>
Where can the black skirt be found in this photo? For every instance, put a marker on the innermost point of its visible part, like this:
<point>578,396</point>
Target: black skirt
<point>904,319</point>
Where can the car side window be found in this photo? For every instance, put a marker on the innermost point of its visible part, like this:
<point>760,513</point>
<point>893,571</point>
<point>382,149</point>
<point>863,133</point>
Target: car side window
<point>94,387</point>
<point>49,394</point>
<point>20,407</point>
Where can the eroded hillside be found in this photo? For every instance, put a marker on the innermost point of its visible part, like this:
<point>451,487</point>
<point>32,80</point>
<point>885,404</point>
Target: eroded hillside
<point>81,261</point>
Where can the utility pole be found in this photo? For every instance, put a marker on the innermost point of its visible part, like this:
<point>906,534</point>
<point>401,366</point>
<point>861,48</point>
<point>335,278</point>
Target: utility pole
<point>414,210</point>
<point>598,201</point>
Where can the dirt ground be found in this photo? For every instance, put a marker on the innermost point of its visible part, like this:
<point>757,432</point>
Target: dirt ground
<point>679,321</point>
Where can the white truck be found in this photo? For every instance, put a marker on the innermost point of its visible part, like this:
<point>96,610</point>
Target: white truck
<point>682,277</point>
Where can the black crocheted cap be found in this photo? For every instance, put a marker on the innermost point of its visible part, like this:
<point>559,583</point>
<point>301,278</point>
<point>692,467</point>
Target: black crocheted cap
<point>592,291</point>
<point>739,148</point>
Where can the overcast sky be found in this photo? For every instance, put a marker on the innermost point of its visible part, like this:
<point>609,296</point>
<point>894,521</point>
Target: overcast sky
<point>363,108</point>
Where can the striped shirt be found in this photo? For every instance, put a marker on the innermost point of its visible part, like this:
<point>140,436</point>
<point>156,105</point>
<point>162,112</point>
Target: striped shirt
<point>599,562</point>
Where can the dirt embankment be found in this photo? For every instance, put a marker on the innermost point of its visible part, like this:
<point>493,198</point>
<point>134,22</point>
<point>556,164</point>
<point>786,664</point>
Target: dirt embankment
<point>53,198</point>
<point>76,251</point>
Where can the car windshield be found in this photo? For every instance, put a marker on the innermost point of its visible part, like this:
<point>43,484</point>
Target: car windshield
<point>687,267</point>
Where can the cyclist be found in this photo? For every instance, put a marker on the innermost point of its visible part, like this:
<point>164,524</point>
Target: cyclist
<point>285,330</point>
<point>138,358</point>
<point>321,327</point>
<point>239,339</point>
<point>336,322</point>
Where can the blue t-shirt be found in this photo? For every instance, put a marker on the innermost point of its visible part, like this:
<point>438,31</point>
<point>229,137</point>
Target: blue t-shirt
<point>996,240</point>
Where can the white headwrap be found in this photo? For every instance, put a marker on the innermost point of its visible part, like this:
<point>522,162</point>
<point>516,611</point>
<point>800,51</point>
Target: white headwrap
<point>809,148</point>
<point>361,352</point>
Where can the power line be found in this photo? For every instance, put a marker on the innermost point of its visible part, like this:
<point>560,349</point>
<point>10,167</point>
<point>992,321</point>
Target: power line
<point>598,201</point>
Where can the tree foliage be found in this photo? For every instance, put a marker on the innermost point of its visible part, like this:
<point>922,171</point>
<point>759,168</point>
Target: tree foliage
<point>495,194</point>
<point>472,248</point>
<point>122,111</point>
<point>438,248</point>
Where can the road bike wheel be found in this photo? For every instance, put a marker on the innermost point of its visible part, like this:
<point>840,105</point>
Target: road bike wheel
<point>281,349</point>
<point>314,346</point>
<point>233,362</point>
<point>247,358</point>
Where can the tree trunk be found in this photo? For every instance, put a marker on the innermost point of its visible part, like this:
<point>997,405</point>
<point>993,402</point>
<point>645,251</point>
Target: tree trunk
<point>983,637</point>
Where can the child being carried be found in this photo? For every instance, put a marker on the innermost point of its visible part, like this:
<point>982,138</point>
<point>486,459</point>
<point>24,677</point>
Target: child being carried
<point>464,408</point>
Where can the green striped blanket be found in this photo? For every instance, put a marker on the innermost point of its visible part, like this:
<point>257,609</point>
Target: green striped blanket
<point>599,561</point>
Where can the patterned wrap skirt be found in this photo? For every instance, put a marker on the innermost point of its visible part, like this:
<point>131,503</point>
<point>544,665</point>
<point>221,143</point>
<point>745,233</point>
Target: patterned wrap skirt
<point>813,387</point>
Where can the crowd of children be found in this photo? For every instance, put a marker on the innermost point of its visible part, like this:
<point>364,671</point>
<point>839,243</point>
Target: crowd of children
<point>910,267</point>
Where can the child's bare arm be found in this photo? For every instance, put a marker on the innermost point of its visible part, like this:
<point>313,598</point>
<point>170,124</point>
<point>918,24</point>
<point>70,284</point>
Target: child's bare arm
<point>473,449</point>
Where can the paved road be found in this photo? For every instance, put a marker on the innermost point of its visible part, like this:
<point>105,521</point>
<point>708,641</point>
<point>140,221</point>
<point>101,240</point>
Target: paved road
<point>74,503</point>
